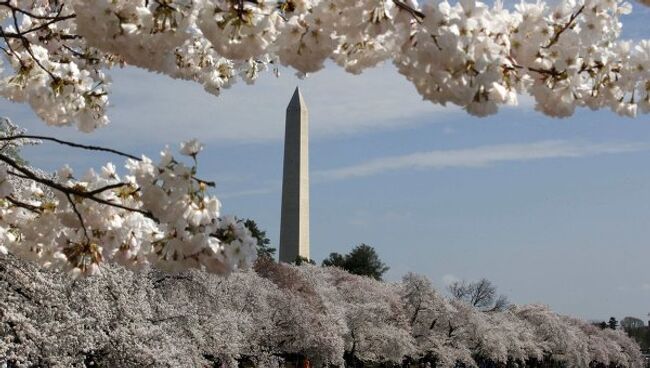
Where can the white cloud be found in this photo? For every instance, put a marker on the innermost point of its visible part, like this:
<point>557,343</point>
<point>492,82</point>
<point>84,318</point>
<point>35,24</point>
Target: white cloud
<point>249,192</point>
<point>479,157</point>
<point>161,110</point>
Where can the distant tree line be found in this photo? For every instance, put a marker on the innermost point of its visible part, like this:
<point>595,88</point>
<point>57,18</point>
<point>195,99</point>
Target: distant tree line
<point>363,260</point>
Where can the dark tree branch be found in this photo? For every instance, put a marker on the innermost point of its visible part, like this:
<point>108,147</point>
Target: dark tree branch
<point>107,187</point>
<point>568,25</point>
<point>9,47</point>
<point>418,15</point>
<point>18,175</point>
<point>27,174</point>
<point>71,144</point>
<point>24,205</point>
<point>76,211</point>
<point>57,17</point>
<point>92,148</point>
<point>28,48</point>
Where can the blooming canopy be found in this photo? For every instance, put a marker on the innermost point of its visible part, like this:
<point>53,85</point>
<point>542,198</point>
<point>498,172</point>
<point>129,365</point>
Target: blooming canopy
<point>467,53</point>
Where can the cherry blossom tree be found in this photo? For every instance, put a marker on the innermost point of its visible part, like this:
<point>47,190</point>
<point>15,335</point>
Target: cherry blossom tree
<point>56,56</point>
<point>480,294</point>
<point>433,324</point>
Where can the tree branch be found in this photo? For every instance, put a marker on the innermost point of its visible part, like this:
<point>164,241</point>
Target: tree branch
<point>568,25</point>
<point>418,15</point>
<point>107,187</point>
<point>76,211</point>
<point>57,17</point>
<point>24,205</point>
<point>70,191</point>
<point>71,144</point>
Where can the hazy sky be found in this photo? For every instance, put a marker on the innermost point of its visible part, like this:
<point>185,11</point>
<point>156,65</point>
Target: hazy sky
<point>553,211</point>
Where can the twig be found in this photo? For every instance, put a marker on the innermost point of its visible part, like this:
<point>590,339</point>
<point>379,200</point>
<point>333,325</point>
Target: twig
<point>28,48</point>
<point>66,190</point>
<point>414,12</point>
<point>35,16</point>
<point>557,34</point>
<point>92,148</point>
<point>76,211</point>
<point>108,187</point>
<point>20,204</point>
<point>71,144</point>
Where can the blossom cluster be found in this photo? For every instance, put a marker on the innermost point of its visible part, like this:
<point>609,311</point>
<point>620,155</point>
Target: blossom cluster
<point>469,53</point>
<point>53,70</point>
<point>157,214</point>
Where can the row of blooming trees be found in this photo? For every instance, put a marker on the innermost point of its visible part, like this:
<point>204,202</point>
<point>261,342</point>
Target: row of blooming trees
<point>55,56</point>
<point>278,316</point>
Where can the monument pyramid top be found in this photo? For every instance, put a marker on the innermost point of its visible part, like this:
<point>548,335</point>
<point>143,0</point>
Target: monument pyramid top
<point>297,101</point>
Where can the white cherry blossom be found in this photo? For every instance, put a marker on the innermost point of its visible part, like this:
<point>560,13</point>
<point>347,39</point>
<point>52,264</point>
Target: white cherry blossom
<point>191,148</point>
<point>567,55</point>
<point>157,214</point>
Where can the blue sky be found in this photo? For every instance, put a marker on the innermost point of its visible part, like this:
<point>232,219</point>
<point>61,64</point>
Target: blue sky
<point>553,211</point>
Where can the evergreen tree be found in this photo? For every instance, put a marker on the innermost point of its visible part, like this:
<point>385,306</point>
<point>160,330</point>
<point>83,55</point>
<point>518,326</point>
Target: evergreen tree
<point>263,242</point>
<point>303,260</point>
<point>613,323</point>
<point>362,260</point>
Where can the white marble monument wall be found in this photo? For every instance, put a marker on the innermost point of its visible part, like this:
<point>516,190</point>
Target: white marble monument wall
<point>294,224</point>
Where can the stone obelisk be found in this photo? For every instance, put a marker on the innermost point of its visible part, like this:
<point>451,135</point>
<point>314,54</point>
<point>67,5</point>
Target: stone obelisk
<point>294,224</point>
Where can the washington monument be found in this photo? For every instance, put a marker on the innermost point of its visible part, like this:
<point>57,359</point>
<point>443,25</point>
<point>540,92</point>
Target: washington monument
<point>294,223</point>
